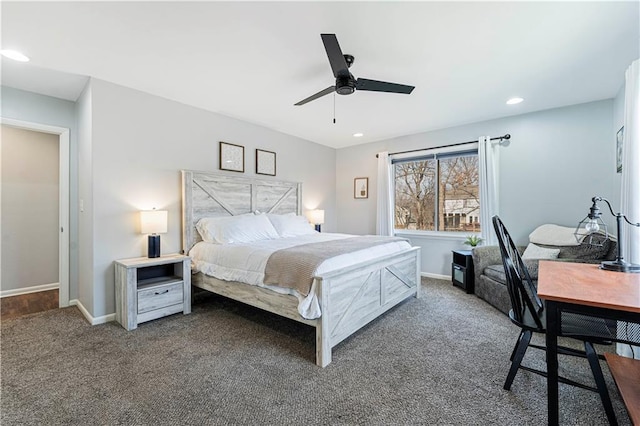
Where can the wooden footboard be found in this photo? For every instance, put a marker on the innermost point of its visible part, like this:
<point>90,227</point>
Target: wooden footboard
<point>352,297</point>
<point>349,298</point>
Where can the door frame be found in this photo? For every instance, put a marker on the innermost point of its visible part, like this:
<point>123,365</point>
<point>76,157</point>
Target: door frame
<point>63,204</point>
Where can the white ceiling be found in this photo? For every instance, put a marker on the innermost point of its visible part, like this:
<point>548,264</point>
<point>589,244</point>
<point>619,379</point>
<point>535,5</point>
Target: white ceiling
<point>254,60</point>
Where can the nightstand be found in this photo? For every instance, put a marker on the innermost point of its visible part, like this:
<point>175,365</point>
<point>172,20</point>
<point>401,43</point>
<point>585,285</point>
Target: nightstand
<point>151,288</point>
<point>462,270</point>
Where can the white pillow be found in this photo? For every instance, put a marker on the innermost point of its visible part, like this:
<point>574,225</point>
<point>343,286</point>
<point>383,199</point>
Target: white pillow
<point>555,235</point>
<point>236,229</point>
<point>534,252</point>
<point>290,225</point>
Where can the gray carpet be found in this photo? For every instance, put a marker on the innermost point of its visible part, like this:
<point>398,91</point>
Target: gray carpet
<point>441,359</point>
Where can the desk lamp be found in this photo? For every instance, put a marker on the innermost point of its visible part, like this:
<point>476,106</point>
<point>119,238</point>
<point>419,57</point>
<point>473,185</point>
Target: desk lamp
<point>593,223</point>
<point>153,222</point>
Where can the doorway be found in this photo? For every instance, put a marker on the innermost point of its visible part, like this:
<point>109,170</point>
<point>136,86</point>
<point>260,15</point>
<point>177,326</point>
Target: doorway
<point>63,200</point>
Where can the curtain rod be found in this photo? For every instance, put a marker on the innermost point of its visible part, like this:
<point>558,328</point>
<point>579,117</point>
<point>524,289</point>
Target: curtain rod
<point>507,136</point>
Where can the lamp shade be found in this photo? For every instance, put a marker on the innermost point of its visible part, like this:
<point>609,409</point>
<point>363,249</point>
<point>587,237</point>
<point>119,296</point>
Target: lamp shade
<point>316,217</point>
<point>153,222</point>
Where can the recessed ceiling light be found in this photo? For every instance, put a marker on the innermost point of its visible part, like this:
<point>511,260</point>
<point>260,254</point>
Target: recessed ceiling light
<point>14,54</point>
<point>514,101</point>
<point>358,135</point>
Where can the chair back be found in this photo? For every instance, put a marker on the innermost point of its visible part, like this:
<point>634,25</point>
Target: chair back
<point>526,306</point>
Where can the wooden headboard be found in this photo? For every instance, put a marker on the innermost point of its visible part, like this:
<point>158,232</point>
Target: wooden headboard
<point>207,194</point>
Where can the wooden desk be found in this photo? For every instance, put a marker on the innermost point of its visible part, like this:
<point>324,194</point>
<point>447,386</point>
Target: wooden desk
<point>584,289</point>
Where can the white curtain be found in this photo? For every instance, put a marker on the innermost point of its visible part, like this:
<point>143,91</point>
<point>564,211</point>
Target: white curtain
<point>384,218</point>
<point>630,197</point>
<point>488,173</point>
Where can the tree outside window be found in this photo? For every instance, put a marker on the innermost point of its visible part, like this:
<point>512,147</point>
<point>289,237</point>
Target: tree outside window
<point>439,194</point>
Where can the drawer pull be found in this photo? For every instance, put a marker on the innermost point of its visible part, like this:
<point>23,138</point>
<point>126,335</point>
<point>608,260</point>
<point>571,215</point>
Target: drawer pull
<point>161,292</point>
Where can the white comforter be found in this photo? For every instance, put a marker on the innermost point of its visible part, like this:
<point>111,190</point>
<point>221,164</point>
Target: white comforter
<point>246,262</point>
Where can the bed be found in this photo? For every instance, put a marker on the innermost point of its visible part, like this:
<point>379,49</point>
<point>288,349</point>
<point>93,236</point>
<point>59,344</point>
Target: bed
<point>349,297</point>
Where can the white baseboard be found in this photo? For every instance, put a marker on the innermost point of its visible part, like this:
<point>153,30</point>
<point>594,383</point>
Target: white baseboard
<point>436,276</point>
<point>27,290</point>
<point>93,321</point>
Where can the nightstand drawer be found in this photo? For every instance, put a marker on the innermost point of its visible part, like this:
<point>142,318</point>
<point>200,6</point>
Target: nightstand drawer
<point>160,296</point>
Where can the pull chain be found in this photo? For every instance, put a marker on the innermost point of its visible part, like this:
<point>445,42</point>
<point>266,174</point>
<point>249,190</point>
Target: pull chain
<point>334,107</point>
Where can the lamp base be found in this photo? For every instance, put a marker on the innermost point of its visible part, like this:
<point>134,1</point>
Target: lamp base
<point>154,246</point>
<point>620,266</point>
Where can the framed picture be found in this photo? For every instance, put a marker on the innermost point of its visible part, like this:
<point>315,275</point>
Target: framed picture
<point>231,157</point>
<point>619,137</point>
<point>361,187</point>
<point>265,162</point>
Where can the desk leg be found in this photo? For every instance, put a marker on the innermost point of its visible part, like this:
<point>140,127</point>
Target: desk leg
<point>553,328</point>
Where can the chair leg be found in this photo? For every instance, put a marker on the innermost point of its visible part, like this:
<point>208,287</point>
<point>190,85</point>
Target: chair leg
<point>523,344</point>
<point>600,383</point>
<point>515,347</point>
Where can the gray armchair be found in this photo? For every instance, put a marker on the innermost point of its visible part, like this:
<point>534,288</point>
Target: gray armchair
<point>490,281</point>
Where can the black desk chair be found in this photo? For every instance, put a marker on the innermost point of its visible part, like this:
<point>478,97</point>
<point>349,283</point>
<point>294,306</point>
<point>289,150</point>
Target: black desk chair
<point>527,312</point>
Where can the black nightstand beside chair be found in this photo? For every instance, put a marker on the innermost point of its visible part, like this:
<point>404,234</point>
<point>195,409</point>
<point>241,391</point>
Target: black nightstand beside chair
<point>528,313</point>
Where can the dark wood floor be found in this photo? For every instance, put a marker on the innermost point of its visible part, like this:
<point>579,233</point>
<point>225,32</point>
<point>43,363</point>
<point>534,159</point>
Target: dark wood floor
<point>15,306</point>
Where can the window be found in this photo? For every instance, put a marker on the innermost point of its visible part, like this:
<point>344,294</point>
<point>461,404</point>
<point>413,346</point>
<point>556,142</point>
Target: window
<point>438,192</point>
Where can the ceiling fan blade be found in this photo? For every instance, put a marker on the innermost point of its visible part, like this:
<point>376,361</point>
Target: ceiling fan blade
<point>382,86</point>
<point>336,58</point>
<point>320,94</point>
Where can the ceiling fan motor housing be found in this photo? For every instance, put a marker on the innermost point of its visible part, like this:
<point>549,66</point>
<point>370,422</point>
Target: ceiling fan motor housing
<point>345,85</point>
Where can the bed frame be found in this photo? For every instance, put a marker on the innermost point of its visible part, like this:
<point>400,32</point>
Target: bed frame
<point>349,298</point>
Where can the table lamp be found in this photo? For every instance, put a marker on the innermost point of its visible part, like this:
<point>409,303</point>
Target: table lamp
<point>593,223</point>
<point>153,222</point>
<point>316,217</point>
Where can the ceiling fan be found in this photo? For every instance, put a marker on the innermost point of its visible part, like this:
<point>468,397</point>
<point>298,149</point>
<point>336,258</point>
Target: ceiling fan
<point>346,83</point>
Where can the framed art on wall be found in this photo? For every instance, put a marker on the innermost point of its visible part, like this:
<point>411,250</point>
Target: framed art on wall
<point>361,187</point>
<point>265,162</point>
<point>231,157</point>
<point>619,138</point>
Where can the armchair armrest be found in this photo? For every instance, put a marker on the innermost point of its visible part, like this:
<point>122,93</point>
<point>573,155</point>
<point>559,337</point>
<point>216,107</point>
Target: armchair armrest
<point>484,256</point>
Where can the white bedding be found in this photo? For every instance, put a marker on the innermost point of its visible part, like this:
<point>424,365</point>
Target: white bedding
<point>246,262</point>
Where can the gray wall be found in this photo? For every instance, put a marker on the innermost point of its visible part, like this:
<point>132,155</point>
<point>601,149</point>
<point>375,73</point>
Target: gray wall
<point>30,208</point>
<point>32,107</point>
<point>84,205</point>
<point>554,163</point>
<point>136,145</point>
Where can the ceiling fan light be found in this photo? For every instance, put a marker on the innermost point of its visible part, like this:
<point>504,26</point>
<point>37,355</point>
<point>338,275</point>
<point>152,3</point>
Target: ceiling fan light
<point>345,85</point>
<point>514,101</point>
<point>14,54</point>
